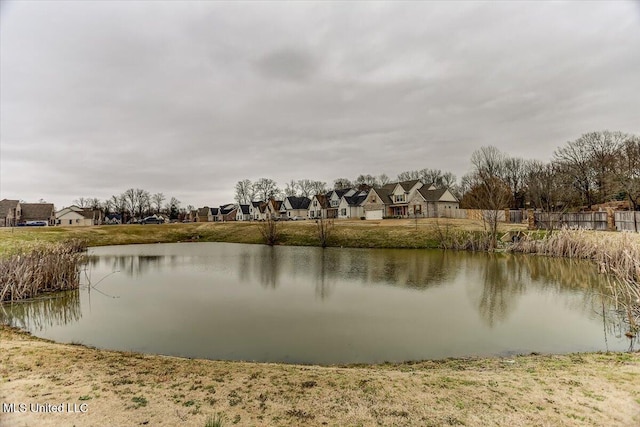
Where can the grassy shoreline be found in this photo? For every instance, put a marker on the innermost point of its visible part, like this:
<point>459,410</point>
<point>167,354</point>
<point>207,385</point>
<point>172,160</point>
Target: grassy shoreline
<point>128,389</point>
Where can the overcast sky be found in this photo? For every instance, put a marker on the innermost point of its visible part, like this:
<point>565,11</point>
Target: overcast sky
<point>187,98</point>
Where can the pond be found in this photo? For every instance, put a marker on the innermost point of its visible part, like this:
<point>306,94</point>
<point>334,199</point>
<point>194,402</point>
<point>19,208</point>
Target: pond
<point>326,306</point>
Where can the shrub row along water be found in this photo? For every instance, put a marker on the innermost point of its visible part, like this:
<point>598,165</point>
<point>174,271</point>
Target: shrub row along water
<point>31,270</point>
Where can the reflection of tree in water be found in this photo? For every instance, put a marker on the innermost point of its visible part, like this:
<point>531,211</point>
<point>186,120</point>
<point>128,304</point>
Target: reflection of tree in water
<point>56,310</point>
<point>417,269</point>
<point>131,265</point>
<point>268,267</point>
<point>506,277</point>
<point>501,283</point>
<point>328,262</point>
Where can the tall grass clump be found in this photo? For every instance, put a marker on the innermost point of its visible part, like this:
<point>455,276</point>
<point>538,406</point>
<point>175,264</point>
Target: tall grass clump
<point>30,270</point>
<point>463,240</point>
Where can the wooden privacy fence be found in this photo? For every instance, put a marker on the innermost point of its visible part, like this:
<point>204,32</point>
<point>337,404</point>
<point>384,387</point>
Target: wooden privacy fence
<point>627,220</point>
<point>583,220</point>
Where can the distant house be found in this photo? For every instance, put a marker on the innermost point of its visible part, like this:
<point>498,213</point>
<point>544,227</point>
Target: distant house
<point>295,207</point>
<point>112,219</point>
<point>9,212</point>
<point>214,214</point>
<point>202,214</point>
<point>257,210</point>
<point>242,214</point>
<point>333,200</point>
<point>228,212</point>
<point>433,203</point>
<point>273,209</point>
<point>351,206</point>
<point>318,207</point>
<point>390,200</point>
<point>74,216</point>
<point>37,212</point>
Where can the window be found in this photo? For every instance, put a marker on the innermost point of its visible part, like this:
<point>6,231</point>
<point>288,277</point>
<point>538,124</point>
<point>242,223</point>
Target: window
<point>334,203</point>
<point>373,199</point>
<point>318,214</point>
<point>343,211</point>
<point>400,198</point>
<point>288,213</point>
<point>70,222</point>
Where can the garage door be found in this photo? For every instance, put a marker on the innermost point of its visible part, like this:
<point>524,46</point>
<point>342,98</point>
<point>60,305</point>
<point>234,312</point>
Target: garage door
<point>373,214</point>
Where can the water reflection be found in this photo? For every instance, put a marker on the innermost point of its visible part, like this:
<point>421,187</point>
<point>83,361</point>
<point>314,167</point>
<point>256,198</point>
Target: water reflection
<point>312,305</point>
<point>55,310</point>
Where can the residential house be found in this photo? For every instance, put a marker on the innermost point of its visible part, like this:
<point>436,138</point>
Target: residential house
<point>202,214</point>
<point>295,207</point>
<point>74,216</point>
<point>242,214</point>
<point>113,219</point>
<point>214,214</point>
<point>351,206</point>
<point>333,200</point>
<point>433,203</point>
<point>227,212</point>
<point>37,212</point>
<point>9,212</point>
<point>318,207</point>
<point>391,200</point>
<point>257,210</point>
<point>273,209</point>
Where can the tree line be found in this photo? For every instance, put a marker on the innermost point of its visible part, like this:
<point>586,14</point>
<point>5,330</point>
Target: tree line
<point>595,168</point>
<point>135,203</point>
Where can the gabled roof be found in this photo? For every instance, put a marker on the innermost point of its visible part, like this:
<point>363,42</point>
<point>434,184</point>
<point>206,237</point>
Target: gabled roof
<point>275,204</point>
<point>257,204</point>
<point>298,202</point>
<point>36,211</point>
<point>225,209</point>
<point>6,205</point>
<point>384,193</point>
<point>203,211</point>
<point>322,199</point>
<point>341,192</point>
<point>244,209</point>
<point>408,185</point>
<point>214,211</point>
<point>432,195</point>
<point>356,199</point>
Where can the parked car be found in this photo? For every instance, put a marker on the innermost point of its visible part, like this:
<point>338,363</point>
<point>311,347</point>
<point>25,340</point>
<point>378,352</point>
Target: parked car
<point>152,220</point>
<point>33,224</point>
<point>296,218</point>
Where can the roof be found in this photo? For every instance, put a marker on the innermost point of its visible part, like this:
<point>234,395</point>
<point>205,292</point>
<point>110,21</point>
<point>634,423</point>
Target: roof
<point>356,200</point>
<point>36,211</point>
<point>256,204</point>
<point>276,204</point>
<point>324,201</point>
<point>6,205</point>
<point>298,202</point>
<point>214,211</point>
<point>432,195</point>
<point>225,209</point>
<point>203,211</point>
<point>87,213</point>
<point>384,193</point>
<point>244,209</point>
<point>341,192</point>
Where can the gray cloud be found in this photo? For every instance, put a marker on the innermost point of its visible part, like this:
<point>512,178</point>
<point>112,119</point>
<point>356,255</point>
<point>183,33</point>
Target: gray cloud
<point>189,97</point>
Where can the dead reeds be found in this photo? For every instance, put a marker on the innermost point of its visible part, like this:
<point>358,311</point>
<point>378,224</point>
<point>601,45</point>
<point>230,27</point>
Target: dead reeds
<point>31,270</point>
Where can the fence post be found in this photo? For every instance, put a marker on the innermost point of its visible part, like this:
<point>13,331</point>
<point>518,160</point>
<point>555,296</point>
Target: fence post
<point>507,215</point>
<point>611,220</point>
<point>532,219</point>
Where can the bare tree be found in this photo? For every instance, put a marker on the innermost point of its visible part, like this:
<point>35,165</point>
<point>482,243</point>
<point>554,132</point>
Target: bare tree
<point>318,187</point>
<point>431,176</point>
<point>603,147</point>
<point>81,202</point>
<point>448,180</point>
<point>383,179</point>
<point>488,190</point>
<point>342,183</point>
<point>157,200</point>
<point>574,159</point>
<point>627,170</point>
<point>408,175</point>
<point>545,193</point>
<point>291,188</point>
<point>514,174</point>
<point>324,228</point>
<point>305,186</point>
<point>243,192</point>
<point>265,189</point>
<point>368,180</point>
<point>269,231</point>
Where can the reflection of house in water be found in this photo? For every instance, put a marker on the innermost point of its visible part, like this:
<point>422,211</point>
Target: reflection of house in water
<point>56,310</point>
<point>131,265</point>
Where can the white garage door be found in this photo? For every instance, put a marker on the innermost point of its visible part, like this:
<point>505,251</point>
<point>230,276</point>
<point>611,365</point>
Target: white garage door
<point>373,214</point>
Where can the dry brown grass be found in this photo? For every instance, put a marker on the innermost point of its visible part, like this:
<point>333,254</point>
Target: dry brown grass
<point>35,268</point>
<point>128,389</point>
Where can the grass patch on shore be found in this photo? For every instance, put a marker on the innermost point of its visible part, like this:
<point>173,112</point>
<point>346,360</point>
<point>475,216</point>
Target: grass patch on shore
<point>567,390</point>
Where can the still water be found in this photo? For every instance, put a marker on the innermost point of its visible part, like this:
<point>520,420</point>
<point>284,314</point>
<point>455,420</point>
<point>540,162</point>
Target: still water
<point>309,305</point>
